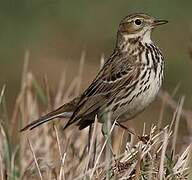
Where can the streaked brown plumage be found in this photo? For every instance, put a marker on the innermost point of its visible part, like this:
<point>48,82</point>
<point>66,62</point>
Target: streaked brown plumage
<point>127,83</point>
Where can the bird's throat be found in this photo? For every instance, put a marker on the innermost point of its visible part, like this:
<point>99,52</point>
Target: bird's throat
<point>126,43</point>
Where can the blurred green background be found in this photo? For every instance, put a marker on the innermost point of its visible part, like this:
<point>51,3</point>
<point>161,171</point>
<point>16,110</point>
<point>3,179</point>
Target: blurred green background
<point>57,31</point>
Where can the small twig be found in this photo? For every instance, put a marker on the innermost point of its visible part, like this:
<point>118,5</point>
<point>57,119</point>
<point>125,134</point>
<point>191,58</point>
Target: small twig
<point>164,147</point>
<point>60,90</point>
<point>177,123</point>
<point>80,72</point>
<point>162,110</point>
<point>97,160</point>
<point>101,165</point>
<point>76,83</point>
<point>186,114</point>
<point>144,129</point>
<point>47,90</point>
<point>2,93</point>
<point>61,173</point>
<point>20,97</point>
<point>13,160</point>
<point>175,90</point>
<point>92,142</point>
<point>102,61</point>
<point>138,164</point>
<point>173,119</point>
<point>35,159</point>
<point>58,141</point>
<point>1,163</point>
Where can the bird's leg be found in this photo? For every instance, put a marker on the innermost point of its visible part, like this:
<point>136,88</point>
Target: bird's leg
<point>139,137</point>
<point>125,128</point>
<point>105,131</point>
<point>109,150</point>
<point>108,139</point>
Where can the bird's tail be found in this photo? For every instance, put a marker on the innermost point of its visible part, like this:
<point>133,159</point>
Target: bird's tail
<point>64,111</point>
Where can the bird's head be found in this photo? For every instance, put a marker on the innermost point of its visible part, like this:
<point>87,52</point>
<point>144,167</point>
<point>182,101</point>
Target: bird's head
<point>138,25</point>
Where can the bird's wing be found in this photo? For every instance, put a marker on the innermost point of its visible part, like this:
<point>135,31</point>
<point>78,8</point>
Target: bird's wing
<point>117,72</point>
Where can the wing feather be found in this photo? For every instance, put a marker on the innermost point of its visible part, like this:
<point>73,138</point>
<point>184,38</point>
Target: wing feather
<point>110,80</point>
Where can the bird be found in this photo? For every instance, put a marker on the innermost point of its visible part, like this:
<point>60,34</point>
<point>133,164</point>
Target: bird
<point>127,83</point>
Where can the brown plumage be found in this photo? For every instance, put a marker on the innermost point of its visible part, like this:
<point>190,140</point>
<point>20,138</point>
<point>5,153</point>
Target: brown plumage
<point>127,83</point>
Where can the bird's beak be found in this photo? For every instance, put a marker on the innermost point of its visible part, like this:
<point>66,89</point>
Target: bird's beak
<point>159,22</point>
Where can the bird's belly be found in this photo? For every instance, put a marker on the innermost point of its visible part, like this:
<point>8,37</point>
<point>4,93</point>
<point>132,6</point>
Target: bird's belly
<point>139,100</point>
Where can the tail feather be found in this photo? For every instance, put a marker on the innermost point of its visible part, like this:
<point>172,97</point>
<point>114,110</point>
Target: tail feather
<point>64,111</point>
<point>45,119</point>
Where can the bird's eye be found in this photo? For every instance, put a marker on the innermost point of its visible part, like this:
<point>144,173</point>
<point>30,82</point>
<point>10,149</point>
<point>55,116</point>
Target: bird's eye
<point>138,22</point>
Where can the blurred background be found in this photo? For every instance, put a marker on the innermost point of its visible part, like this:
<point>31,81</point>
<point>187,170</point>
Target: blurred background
<point>57,32</point>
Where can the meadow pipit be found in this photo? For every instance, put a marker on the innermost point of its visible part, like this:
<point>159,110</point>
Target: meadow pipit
<point>126,84</point>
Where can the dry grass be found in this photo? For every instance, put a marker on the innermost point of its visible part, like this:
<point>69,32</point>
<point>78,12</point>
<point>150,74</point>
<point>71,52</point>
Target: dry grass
<point>50,153</point>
